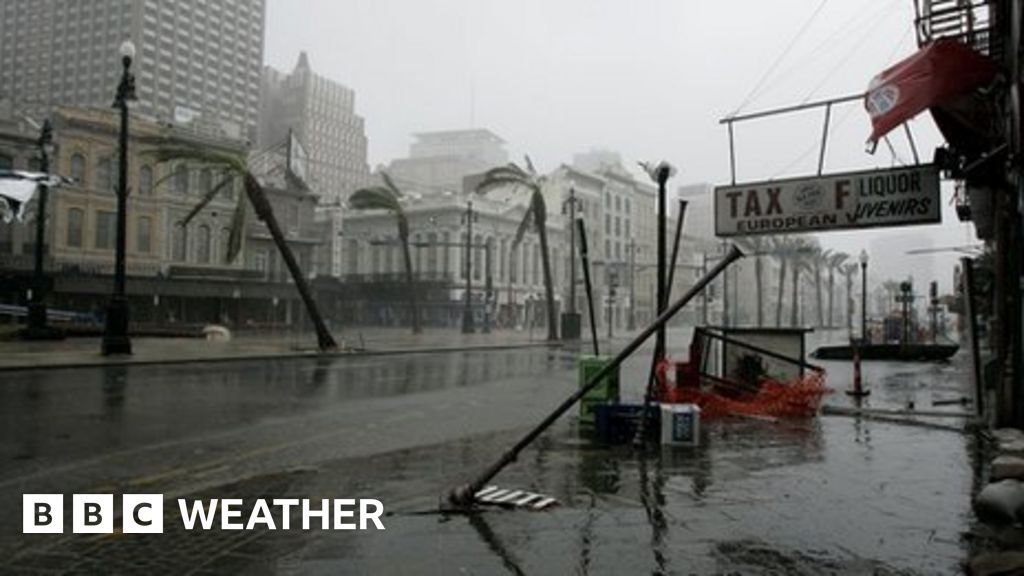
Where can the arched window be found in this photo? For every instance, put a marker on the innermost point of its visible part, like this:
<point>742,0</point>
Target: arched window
<point>146,180</point>
<point>78,168</point>
<point>76,218</point>
<point>104,175</point>
<point>205,181</point>
<point>179,243</point>
<point>105,230</point>
<point>144,235</point>
<point>181,179</point>
<point>432,253</point>
<point>225,245</point>
<point>478,257</point>
<point>203,250</point>
<point>353,257</point>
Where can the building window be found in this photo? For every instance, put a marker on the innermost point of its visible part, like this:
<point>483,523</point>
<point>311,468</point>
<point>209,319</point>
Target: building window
<point>432,253</point>
<point>446,252</point>
<point>353,256</point>
<point>203,250</point>
<point>105,222</point>
<point>76,218</point>
<point>293,218</point>
<point>6,162</point>
<point>78,168</point>
<point>181,179</point>
<point>627,206</point>
<point>144,235</point>
<point>225,245</point>
<point>179,243</point>
<point>146,181</point>
<point>607,223</point>
<point>205,181</point>
<point>478,261</point>
<point>104,175</point>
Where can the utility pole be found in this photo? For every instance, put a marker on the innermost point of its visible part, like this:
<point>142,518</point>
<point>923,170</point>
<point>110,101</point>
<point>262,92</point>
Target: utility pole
<point>570,319</point>
<point>613,281</point>
<point>37,328</point>
<point>704,293</point>
<point>467,313</point>
<point>632,284</point>
<point>725,297</point>
<point>488,287</point>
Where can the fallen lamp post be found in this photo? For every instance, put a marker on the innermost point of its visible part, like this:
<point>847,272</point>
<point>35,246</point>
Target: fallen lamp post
<point>465,495</point>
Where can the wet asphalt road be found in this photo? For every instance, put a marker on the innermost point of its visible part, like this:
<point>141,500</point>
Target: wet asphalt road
<point>835,495</point>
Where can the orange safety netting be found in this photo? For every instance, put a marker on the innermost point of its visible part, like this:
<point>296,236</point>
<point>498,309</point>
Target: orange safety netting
<point>799,398</point>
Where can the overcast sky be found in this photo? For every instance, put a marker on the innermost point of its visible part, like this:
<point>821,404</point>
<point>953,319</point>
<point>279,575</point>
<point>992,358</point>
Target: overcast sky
<point>647,78</point>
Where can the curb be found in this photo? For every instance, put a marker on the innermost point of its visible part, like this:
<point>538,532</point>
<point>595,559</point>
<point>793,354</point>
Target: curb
<point>289,355</point>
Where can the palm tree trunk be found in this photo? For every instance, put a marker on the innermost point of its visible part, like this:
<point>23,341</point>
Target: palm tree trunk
<point>849,302</point>
<point>818,299</point>
<point>540,217</point>
<point>794,315</point>
<point>403,235</point>
<point>831,296</point>
<point>759,280</point>
<point>263,210</point>
<point>782,292</point>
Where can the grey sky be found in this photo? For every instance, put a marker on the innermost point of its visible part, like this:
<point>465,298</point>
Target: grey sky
<point>647,78</point>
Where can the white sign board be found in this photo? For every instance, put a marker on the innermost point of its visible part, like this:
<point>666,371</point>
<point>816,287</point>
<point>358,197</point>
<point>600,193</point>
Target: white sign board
<point>869,199</point>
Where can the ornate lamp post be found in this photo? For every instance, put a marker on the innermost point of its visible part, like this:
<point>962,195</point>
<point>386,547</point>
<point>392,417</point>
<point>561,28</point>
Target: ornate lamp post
<point>37,328</point>
<point>467,314</point>
<point>115,334</point>
<point>864,296</point>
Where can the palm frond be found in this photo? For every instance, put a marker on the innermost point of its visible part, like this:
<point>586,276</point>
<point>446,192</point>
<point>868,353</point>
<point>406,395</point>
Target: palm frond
<point>375,198</point>
<point>177,152</point>
<point>529,165</point>
<point>390,183</point>
<point>207,198</point>
<point>490,184</point>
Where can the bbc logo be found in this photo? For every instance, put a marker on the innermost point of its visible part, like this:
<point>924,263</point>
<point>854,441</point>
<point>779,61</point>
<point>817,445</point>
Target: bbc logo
<point>92,513</point>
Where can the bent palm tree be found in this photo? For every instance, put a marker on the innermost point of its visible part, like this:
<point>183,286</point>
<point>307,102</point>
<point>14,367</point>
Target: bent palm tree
<point>233,166</point>
<point>536,214</point>
<point>387,197</point>
<point>799,260</point>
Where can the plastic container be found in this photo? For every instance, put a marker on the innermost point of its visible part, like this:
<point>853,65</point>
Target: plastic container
<point>606,392</point>
<point>680,424</point>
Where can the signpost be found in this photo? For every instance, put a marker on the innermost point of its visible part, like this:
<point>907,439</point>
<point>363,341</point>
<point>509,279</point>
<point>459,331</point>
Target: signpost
<point>874,198</point>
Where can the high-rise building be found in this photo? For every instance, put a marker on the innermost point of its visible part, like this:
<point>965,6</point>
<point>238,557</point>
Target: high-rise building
<point>321,115</point>
<point>439,161</point>
<point>197,61</point>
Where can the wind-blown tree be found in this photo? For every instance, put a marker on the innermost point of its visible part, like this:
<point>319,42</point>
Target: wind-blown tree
<point>536,215</point>
<point>781,246</point>
<point>835,261</point>
<point>800,253</point>
<point>818,259</point>
<point>233,166</point>
<point>848,271</point>
<point>757,245</point>
<point>387,198</point>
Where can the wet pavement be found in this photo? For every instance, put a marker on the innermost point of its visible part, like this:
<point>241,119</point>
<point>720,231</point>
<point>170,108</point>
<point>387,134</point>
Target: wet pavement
<point>833,495</point>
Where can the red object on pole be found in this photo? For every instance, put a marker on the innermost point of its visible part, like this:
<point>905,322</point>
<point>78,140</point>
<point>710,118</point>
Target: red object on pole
<point>931,76</point>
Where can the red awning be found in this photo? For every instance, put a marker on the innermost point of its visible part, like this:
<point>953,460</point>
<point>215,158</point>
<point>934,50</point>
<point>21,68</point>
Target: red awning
<point>930,77</point>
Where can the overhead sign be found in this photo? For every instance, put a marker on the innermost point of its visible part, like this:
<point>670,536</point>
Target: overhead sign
<point>868,199</point>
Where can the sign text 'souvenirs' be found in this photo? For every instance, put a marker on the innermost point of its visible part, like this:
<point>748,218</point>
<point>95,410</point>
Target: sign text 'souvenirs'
<point>895,197</point>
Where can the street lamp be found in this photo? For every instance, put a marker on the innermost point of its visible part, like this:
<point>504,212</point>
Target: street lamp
<point>864,296</point>
<point>467,313</point>
<point>115,334</point>
<point>37,328</point>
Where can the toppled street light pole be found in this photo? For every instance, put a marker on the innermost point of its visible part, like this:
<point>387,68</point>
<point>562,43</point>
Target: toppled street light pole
<point>465,495</point>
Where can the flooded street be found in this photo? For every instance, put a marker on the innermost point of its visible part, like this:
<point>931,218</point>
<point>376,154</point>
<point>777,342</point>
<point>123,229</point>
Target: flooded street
<point>831,495</point>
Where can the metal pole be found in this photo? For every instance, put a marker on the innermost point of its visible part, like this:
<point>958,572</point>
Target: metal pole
<point>572,250</point>
<point>632,284</point>
<point>824,138</point>
<point>611,298</point>
<point>864,302</point>
<point>465,495</point>
<point>585,261</point>
<point>972,319</point>
<point>663,175</point>
<point>115,335</point>
<point>488,287</point>
<point>467,313</point>
<point>704,271</point>
<point>37,328</point>
<point>725,300</point>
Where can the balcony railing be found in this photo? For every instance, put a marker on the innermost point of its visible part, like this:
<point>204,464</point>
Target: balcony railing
<point>966,21</point>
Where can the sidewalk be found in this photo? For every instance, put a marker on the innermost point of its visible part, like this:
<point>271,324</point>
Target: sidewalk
<point>85,352</point>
